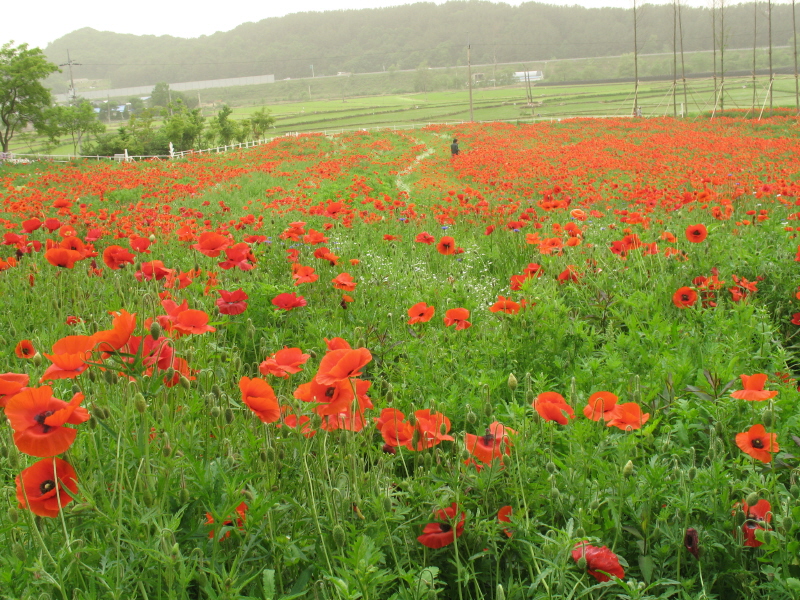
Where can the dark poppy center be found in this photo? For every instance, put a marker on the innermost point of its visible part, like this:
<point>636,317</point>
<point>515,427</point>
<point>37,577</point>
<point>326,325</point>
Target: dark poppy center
<point>330,392</point>
<point>40,418</point>
<point>685,297</point>
<point>444,527</point>
<point>47,486</point>
<point>757,443</point>
<point>488,439</point>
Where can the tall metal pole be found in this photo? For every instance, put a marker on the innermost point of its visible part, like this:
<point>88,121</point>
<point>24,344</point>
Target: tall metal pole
<point>469,74</point>
<point>755,38</point>
<point>769,13</point>
<point>683,64</point>
<point>69,64</point>
<point>635,65</point>
<point>674,57</point>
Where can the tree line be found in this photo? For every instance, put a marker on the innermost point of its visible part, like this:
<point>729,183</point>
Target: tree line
<point>403,37</point>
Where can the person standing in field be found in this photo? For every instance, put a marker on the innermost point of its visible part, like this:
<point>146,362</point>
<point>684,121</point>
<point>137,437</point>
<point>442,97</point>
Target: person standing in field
<point>454,148</point>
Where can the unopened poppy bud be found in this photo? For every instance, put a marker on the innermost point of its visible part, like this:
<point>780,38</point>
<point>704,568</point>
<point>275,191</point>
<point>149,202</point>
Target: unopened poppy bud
<point>415,439</point>
<point>215,389</point>
<point>555,494</point>
<point>788,523</point>
<point>488,409</point>
<point>262,456</point>
<point>139,403</point>
<point>795,489</point>
<point>152,237</point>
<point>250,328</point>
<point>530,397</point>
<point>512,382</point>
<point>627,470</point>
<point>271,456</point>
<point>580,533</point>
<point>465,455</point>
<point>183,496</point>
<point>500,593</point>
<point>752,499</point>
<point>432,595</point>
<point>768,418</point>
<point>229,415</point>
<point>472,418</point>
<point>692,473</point>
<point>339,537</point>
<point>155,330</point>
<point>110,377</point>
<point>739,518</point>
<point>594,505</point>
<point>236,363</point>
<point>185,382</point>
<point>98,412</point>
<point>92,375</point>
<point>582,563</point>
<point>201,579</point>
<point>166,451</point>
<point>19,552</point>
<point>13,515</point>
<point>215,412</point>
<point>175,553</point>
<point>76,389</point>
<point>387,504</point>
<point>37,359</point>
<point>551,467</point>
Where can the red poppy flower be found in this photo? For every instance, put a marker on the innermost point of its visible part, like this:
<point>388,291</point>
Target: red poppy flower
<point>154,269</point>
<point>457,317</point>
<point>241,511</point>
<point>569,274</point>
<point>45,486</point>
<point>260,397</point>
<point>600,562</point>
<point>284,362</point>
<point>696,233</point>
<point>38,419</point>
<point>395,430</point>
<point>192,321</point>
<point>753,388</point>
<point>293,421</point>
<point>110,340</point>
<point>691,542</point>
<point>239,256</point>
<point>504,516</point>
<point>73,320</point>
<point>493,445</point>
<point>758,443</point>
<point>61,257</point>
<point>302,274</point>
<point>211,244</point>
<point>232,303</point>
<point>446,245</point>
<point>25,349</point>
<point>756,517</point>
<point>420,313</point>
<point>438,535</point>
<point>117,257</point>
<point>10,384</point>
<point>600,406</point>
<point>506,305</point>
<point>796,319</point>
<point>684,297</point>
<point>31,225</point>
<point>627,417</point>
<point>425,238</point>
<point>344,282</point>
<point>337,365</point>
<point>69,357</point>
<point>552,406</point>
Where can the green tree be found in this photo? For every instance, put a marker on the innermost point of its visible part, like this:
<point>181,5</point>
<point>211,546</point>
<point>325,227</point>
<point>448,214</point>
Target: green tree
<point>75,121</point>
<point>160,95</point>
<point>183,127</point>
<point>260,121</point>
<point>224,126</point>
<point>23,98</point>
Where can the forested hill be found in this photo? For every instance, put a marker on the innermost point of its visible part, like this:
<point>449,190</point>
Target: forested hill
<point>405,37</point>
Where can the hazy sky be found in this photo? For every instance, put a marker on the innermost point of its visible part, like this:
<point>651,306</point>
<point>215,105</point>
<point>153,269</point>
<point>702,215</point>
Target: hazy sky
<point>47,20</point>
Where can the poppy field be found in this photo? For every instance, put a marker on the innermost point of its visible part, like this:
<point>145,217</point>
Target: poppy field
<point>562,364</point>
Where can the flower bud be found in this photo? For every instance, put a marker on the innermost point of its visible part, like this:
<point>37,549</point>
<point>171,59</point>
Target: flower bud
<point>739,518</point>
<point>787,523</point>
<point>627,470</point>
<point>215,412</point>
<point>339,537</point>
<point>13,515</point>
<point>387,504</point>
<point>594,504</point>
<point>768,418</point>
<point>551,467</point>
<point>18,550</point>
<point>512,382</point>
<point>166,451</point>
<point>155,330</point>
<point>692,473</point>
<point>229,416</point>
<point>795,490</point>
<point>183,496</point>
<point>582,563</point>
<point>185,382</point>
<point>472,418</point>
<point>37,360</point>
<point>500,593</point>
<point>752,499</point>
<point>139,403</point>
<point>530,397</point>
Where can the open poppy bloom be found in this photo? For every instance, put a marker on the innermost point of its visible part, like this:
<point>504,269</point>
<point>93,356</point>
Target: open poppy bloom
<point>117,257</point>
<point>240,256</point>
<point>259,396</point>
<point>45,487</point>
<point>420,313</point>
<point>241,511</point>
<point>684,297</point>
<point>506,305</point>
<point>287,301</point>
<point>211,244</point>
<point>10,384</point>
<point>344,282</point>
<point>439,535</point>
<point>552,406</point>
<point>232,303</point>
<point>601,563</point>
<point>457,317</point>
<point>627,417</point>
<point>337,365</point>
<point>284,362</point>
<point>38,420</point>
<point>756,517</point>
<point>696,233</point>
<point>62,257</point>
<point>424,238</point>
<point>758,443</point>
<point>753,388</point>
<point>302,274</point>
<point>25,349</point>
<point>69,357</point>
<point>110,340</point>
<point>569,274</point>
<point>493,445</point>
<point>446,245</point>
<point>600,406</point>
<point>192,321</point>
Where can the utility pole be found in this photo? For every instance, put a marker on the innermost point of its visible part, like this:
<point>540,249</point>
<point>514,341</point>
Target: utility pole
<point>674,57</point>
<point>769,11</point>
<point>755,37</point>
<point>794,41</point>
<point>69,64</point>
<point>635,65</point>
<point>685,110</point>
<point>494,71</point>
<point>469,74</point>
<point>108,106</point>
<point>312,71</point>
